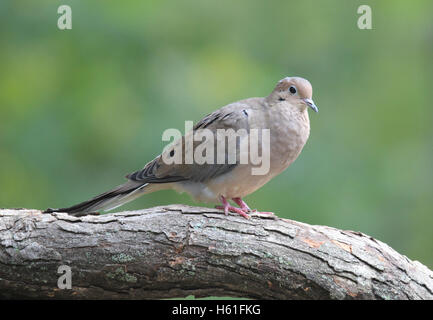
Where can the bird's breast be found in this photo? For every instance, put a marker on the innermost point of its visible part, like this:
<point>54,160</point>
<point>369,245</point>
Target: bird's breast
<point>289,131</point>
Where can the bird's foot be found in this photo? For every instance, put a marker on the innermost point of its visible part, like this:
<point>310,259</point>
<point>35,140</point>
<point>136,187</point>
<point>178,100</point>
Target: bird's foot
<point>241,203</point>
<point>230,208</point>
<point>245,207</point>
<point>227,207</point>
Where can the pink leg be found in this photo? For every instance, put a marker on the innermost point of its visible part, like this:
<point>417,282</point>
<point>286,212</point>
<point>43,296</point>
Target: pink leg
<point>242,204</point>
<point>245,207</point>
<point>227,207</point>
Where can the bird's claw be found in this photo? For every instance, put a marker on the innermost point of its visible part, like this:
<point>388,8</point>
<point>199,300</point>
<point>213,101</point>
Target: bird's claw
<point>243,210</point>
<point>229,208</point>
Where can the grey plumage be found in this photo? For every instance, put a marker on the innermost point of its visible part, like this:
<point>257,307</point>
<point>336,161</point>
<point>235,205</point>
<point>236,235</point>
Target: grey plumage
<point>282,112</point>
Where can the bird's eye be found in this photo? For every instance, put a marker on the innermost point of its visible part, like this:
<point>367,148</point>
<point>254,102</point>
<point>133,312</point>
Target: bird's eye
<point>292,90</point>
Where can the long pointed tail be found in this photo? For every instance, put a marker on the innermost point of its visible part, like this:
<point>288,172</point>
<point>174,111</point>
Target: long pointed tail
<point>107,200</point>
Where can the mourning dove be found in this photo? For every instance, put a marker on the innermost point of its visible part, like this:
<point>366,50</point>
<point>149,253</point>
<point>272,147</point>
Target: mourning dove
<point>283,114</point>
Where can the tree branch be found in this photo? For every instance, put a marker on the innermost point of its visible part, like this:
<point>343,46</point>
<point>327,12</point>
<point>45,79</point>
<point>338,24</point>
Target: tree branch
<point>177,250</point>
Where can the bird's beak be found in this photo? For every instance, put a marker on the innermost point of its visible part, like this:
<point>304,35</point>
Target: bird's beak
<point>311,104</point>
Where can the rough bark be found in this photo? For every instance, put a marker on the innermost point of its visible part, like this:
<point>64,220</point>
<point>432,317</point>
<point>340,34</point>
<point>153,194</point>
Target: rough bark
<point>177,250</point>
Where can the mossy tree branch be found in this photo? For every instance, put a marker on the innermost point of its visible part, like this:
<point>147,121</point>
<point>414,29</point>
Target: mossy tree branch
<point>177,250</point>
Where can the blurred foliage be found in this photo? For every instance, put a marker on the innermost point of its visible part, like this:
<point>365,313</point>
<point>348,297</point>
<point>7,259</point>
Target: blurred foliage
<point>81,108</point>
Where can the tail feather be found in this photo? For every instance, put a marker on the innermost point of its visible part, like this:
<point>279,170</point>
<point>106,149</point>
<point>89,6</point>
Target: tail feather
<point>107,200</point>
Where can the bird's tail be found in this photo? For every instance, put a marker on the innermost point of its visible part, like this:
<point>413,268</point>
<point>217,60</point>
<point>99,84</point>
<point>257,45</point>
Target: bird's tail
<point>107,200</point>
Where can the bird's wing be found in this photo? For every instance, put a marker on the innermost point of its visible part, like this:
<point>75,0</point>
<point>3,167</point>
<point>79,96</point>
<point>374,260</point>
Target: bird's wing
<point>233,116</point>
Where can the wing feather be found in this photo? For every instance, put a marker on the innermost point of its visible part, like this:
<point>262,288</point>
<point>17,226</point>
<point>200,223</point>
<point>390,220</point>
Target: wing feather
<point>233,116</point>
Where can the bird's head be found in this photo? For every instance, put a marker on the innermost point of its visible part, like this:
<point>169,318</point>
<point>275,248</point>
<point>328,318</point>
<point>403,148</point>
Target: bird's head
<point>294,90</point>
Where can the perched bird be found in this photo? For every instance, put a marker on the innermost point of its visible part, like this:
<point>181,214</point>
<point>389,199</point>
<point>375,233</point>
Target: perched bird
<point>283,113</point>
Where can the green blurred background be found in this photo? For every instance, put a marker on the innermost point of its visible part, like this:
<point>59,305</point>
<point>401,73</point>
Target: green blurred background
<point>81,108</point>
